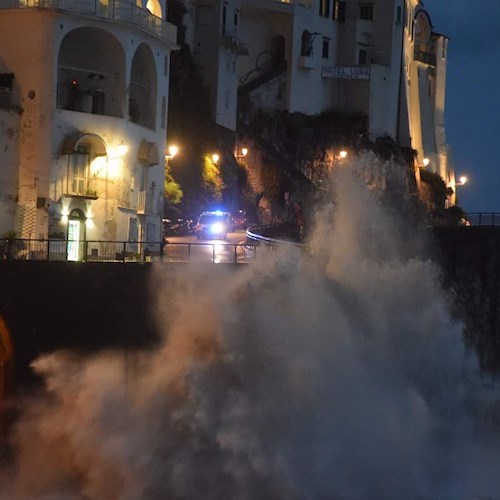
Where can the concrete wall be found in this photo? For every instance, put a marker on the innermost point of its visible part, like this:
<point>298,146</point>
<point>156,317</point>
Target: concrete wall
<point>470,258</point>
<point>55,305</point>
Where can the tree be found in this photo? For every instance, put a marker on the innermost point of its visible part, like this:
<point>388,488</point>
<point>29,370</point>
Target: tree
<point>173,191</point>
<point>212,178</point>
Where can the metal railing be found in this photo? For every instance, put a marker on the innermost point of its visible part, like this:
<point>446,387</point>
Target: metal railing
<point>116,10</point>
<point>425,57</point>
<point>274,235</point>
<point>127,251</point>
<point>483,218</point>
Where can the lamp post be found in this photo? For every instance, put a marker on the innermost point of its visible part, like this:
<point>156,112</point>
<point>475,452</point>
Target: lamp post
<point>462,180</point>
<point>172,151</point>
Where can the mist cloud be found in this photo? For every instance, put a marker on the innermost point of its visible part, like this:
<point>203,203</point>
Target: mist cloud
<point>332,372</point>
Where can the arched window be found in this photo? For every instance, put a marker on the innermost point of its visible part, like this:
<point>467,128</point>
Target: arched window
<point>306,47</point>
<point>155,8</point>
<point>90,73</point>
<point>143,88</point>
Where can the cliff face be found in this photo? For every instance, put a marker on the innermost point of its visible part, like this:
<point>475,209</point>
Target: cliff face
<point>470,259</point>
<point>295,153</point>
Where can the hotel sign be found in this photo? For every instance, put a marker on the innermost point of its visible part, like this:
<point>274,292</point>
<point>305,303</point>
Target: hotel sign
<point>345,72</point>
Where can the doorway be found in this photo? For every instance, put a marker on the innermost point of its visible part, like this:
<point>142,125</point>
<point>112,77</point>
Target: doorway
<point>76,235</point>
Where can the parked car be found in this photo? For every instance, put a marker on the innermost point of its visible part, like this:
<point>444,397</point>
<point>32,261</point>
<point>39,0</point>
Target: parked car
<point>240,220</point>
<point>214,225</point>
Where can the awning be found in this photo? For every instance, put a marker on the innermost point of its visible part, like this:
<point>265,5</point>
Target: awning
<point>147,155</point>
<point>71,143</point>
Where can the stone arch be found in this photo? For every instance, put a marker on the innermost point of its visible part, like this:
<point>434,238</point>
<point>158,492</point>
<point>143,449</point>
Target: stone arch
<point>143,88</point>
<point>422,31</point>
<point>91,73</point>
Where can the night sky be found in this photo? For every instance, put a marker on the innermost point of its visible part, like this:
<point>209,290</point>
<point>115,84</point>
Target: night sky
<point>472,96</point>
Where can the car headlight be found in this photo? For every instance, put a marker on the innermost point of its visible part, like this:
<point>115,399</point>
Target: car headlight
<point>217,228</point>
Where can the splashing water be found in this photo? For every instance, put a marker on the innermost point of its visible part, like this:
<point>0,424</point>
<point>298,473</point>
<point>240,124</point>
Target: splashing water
<point>331,373</point>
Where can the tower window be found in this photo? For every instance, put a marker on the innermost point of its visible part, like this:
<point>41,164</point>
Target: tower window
<point>326,48</point>
<point>366,12</point>
<point>363,57</point>
<point>339,11</point>
<point>324,8</point>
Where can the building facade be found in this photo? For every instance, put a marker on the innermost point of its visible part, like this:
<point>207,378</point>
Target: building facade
<point>83,111</point>
<point>380,58</point>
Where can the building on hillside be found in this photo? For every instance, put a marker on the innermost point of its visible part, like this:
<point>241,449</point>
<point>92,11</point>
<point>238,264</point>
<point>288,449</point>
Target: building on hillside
<point>83,111</point>
<point>379,58</point>
<point>212,32</point>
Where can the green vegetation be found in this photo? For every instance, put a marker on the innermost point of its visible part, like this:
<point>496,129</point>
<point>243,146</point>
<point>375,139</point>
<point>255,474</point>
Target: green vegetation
<point>212,178</point>
<point>173,190</point>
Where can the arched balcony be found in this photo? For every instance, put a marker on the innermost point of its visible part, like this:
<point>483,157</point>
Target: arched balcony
<point>424,42</point>
<point>91,73</point>
<point>143,88</point>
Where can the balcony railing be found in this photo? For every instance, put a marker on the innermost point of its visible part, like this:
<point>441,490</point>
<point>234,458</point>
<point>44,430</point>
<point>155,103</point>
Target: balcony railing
<point>117,10</point>
<point>425,57</point>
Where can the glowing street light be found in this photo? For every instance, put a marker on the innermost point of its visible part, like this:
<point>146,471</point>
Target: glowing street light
<point>425,161</point>
<point>244,152</point>
<point>215,158</point>
<point>342,154</point>
<point>172,151</point>
<point>462,180</point>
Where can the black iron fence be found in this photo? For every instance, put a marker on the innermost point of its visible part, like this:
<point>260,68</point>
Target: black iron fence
<point>483,218</point>
<point>127,251</point>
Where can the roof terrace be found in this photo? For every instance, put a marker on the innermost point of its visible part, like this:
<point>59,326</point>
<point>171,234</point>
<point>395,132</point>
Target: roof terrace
<point>122,11</point>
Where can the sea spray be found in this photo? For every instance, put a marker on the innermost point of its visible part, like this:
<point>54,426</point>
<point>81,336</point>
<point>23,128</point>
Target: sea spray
<point>332,371</point>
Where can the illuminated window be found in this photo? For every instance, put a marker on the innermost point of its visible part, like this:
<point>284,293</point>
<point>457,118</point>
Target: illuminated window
<point>79,169</point>
<point>154,7</point>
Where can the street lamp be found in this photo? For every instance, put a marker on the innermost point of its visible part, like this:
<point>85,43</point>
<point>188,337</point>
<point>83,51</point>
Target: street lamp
<point>425,161</point>
<point>341,155</point>
<point>172,151</point>
<point>462,180</point>
<point>244,152</point>
<point>215,158</point>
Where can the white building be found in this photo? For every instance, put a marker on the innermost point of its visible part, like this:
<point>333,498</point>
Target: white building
<point>83,110</point>
<point>380,58</point>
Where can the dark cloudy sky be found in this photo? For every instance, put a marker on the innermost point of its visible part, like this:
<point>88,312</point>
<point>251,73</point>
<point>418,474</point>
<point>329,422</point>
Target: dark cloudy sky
<point>472,96</point>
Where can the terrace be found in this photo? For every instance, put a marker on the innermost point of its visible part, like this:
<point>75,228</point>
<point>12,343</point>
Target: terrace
<point>122,11</point>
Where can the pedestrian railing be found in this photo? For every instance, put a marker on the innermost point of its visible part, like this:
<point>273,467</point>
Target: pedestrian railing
<point>127,251</point>
<point>483,218</point>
